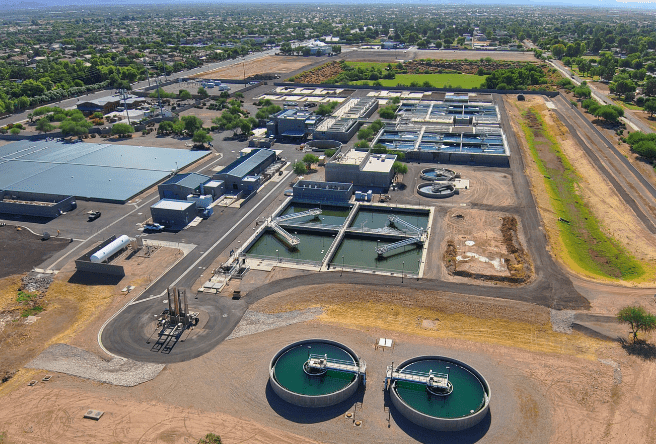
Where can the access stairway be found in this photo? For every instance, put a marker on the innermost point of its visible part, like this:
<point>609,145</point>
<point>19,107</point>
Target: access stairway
<point>418,236</point>
<point>290,240</point>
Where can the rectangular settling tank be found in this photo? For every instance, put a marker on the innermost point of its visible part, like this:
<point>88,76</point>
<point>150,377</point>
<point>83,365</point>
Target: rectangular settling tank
<point>313,246</point>
<point>360,252</point>
<point>374,217</point>
<point>330,215</point>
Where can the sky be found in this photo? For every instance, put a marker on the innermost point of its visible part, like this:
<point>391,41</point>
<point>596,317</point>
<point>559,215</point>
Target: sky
<point>40,4</point>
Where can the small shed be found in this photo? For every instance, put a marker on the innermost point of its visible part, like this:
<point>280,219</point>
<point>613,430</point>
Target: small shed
<point>173,213</point>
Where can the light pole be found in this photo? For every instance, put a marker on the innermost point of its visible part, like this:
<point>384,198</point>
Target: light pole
<point>402,270</point>
<point>418,267</point>
<point>342,266</point>
<point>278,255</point>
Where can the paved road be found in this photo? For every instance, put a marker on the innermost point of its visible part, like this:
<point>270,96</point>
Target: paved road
<point>628,182</point>
<point>602,98</point>
<point>127,334</point>
<point>19,117</point>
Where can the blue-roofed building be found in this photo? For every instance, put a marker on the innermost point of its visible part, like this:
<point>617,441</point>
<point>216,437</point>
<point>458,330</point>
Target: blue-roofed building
<point>94,171</point>
<point>245,173</point>
<point>182,185</point>
<point>291,123</point>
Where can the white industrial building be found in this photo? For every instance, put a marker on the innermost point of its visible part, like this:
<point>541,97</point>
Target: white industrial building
<point>361,168</point>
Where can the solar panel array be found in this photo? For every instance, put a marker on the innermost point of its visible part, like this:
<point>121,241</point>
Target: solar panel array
<point>90,170</point>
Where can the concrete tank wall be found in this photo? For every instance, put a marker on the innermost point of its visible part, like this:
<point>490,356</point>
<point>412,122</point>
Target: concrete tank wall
<point>313,401</point>
<point>441,424</point>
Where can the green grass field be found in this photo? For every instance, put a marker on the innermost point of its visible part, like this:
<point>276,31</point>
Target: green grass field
<point>586,244</point>
<point>436,80</point>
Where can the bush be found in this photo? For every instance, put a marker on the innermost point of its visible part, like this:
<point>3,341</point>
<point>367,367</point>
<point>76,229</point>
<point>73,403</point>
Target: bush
<point>122,129</point>
<point>646,148</point>
<point>300,168</point>
<point>15,131</point>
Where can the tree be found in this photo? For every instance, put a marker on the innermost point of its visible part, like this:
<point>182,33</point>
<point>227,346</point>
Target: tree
<point>638,319</point>
<point>558,50</point>
<point>72,128</point>
<point>245,126</point>
<point>309,159</point>
<point>203,93</point>
<point>650,107</point>
<point>165,127</point>
<point>300,168</point>
<point>399,168</point>
<point>183,94</point>
<point>43,125</point>
<point>122,129</point>
<point>201,137</point>
<point>582,92</point>
<point>607,113</point>
<point>645,148</point>
<point>192,124</point>
<point>650,87</point>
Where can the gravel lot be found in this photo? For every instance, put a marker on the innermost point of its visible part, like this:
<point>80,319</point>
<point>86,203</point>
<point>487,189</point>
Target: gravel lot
<point>73,361</point>
<point>562,320</point>
<point>257,322</point>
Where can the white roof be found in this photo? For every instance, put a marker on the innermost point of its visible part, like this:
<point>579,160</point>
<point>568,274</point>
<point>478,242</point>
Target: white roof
<point>353,157</point>
<point>172,204</point>
<point>381,163</point>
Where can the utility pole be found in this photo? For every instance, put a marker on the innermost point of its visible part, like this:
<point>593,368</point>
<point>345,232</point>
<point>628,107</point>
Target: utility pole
<point>159,100</point>
<point>124,96</point>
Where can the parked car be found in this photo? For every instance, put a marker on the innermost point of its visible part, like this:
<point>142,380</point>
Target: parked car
<point>153,227</point>
<point>93,215</point>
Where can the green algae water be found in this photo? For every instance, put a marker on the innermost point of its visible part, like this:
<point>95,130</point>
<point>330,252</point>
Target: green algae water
<point>467,398</point>
<point>360,252</point>
<point>373,219</point>
<point>329,216</point>
<point>288,370</point>
<point>313,246</point>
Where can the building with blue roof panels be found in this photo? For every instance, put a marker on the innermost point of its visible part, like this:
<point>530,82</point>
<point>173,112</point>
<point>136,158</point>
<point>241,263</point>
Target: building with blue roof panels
<point>182,185</point>
<point>100,172</point>
<point>245,173</point>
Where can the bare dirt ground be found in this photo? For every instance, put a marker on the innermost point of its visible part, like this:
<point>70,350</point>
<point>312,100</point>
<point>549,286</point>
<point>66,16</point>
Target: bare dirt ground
<point>266,65</point>
<point>546,387</point>
<point>445,54</point>
<point>76,305</point>
<point>486,187</point>
<point>23,250</point>
<point>615,216</point>
<point>479,243</point>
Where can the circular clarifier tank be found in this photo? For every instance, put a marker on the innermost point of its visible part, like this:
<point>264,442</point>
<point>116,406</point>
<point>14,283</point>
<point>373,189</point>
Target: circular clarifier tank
<point>438,174</point>
<point>436,191</point>
<point>439,393</point>
<point>316,373</point>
